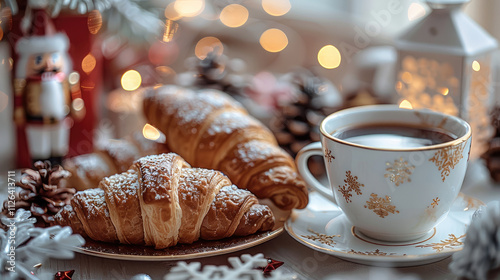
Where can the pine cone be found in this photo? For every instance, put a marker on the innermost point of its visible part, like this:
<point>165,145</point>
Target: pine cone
<point>296,123</point>
<point>42,191</point>
<point>492,154</point>
<point>219,72</point>
<point>481,251</point>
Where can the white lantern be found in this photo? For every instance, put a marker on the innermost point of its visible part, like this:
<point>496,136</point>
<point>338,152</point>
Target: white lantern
<point>444,64</point>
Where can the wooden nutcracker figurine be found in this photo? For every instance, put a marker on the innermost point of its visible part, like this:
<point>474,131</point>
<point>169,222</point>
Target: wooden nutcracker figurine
<point>47,93</point>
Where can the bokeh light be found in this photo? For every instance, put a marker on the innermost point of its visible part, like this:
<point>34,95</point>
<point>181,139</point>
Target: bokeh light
<point>207,45</point>
<point>476,66</point>
<point>150,132</point>
<point>88,63</point>
<point>329,57</point>
<point>405,104</point>
<point>189,8</point>
<point>131,80</point>
<point>415,11</point>
<point>444,91</point>
<point>94,21</point>
<point>171,13</point>
<point>276,7</point>
<point>273,40</point>
<point>234,15</point>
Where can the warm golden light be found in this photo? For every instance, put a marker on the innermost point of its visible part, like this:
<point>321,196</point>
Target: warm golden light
<point>171,13</point>
<point>405,104</point>
<point>273,40</point>
<point>189,8</point>
<point>150,132</point>
<point>329,57</point>
<point>415,11</point>
<point>476,66</point>
<point>234,15</point>
<point>276,7</point>
<point>131,80</point>
<point>88,63</point>
<point>399,86</point>
<point>165,71</point>
<point>206,45</point>
<point>407,77</point>
<point>94,21</point>
<point>170,29</point>
<point>444,91</point>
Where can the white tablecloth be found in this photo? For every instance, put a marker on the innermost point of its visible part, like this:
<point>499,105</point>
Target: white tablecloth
<point>299,260</point>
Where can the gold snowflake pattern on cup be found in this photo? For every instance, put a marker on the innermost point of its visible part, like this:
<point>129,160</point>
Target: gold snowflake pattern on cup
<point>328,155</point>
<point>382,206</point>
<point>351,184</point>
<point>447,158</point>
<point>376,252</point>
<point>321,237</point>
<point>450,243</point>
<point>399,171</point>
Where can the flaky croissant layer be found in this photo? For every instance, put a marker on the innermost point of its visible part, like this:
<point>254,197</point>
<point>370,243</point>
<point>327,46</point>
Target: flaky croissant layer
<point>161,201</point>
<point>211,130</point>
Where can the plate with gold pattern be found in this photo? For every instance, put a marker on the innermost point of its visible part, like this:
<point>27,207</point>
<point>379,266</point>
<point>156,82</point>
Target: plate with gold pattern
<point>323,227</point>
<point>199,249</point>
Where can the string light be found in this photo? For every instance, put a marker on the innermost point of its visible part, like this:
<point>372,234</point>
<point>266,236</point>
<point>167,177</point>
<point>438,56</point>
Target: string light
<point>329,57</point>
<point>273,40</point>
<point>131,80</point>
<point>206,45</point>
<point>276,7</point>
<point>234,15</point>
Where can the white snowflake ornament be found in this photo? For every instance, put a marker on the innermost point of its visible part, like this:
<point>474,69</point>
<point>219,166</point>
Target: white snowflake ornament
<point>241,268</point>
<point>481,250</point>
<point>23,246</point>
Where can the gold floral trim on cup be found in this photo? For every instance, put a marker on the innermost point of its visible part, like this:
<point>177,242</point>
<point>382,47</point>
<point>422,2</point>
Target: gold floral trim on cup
<point>435,202</point>
<point>381,206</point>
<point>321,237</point>
<point>399,171</point>
<point>351,184</point>
<point>449,243</point>
<point>447,158</point>
<point>377,252</point>
<point>328,155</point>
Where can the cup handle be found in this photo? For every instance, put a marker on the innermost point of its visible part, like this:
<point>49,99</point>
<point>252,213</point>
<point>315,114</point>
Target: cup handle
<point>304,154</point>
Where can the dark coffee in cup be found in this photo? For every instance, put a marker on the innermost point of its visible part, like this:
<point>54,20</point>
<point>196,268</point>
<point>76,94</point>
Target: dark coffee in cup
<point>395,136</point>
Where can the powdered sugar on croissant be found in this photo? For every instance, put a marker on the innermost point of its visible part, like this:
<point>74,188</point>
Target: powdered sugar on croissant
<point>161,201</point>
<point>211,130</point>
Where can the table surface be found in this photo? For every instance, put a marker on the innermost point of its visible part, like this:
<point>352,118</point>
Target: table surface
<point>301,261</point>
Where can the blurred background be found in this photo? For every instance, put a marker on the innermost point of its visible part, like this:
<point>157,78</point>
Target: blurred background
<point>265,53</point>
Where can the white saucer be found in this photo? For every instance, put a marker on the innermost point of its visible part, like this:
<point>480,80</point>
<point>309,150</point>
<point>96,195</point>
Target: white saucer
<point>323,227</point>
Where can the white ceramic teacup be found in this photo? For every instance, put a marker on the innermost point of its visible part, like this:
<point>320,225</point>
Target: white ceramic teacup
<point>390,193</point>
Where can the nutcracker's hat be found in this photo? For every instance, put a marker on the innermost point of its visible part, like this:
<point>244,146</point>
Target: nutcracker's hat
<point>40,35</point>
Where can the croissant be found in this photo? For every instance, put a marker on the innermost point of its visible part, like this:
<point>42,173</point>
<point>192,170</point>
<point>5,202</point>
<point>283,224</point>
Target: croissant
<point>161,201</point>
<point>111,157</point>
<point>212,130</point>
